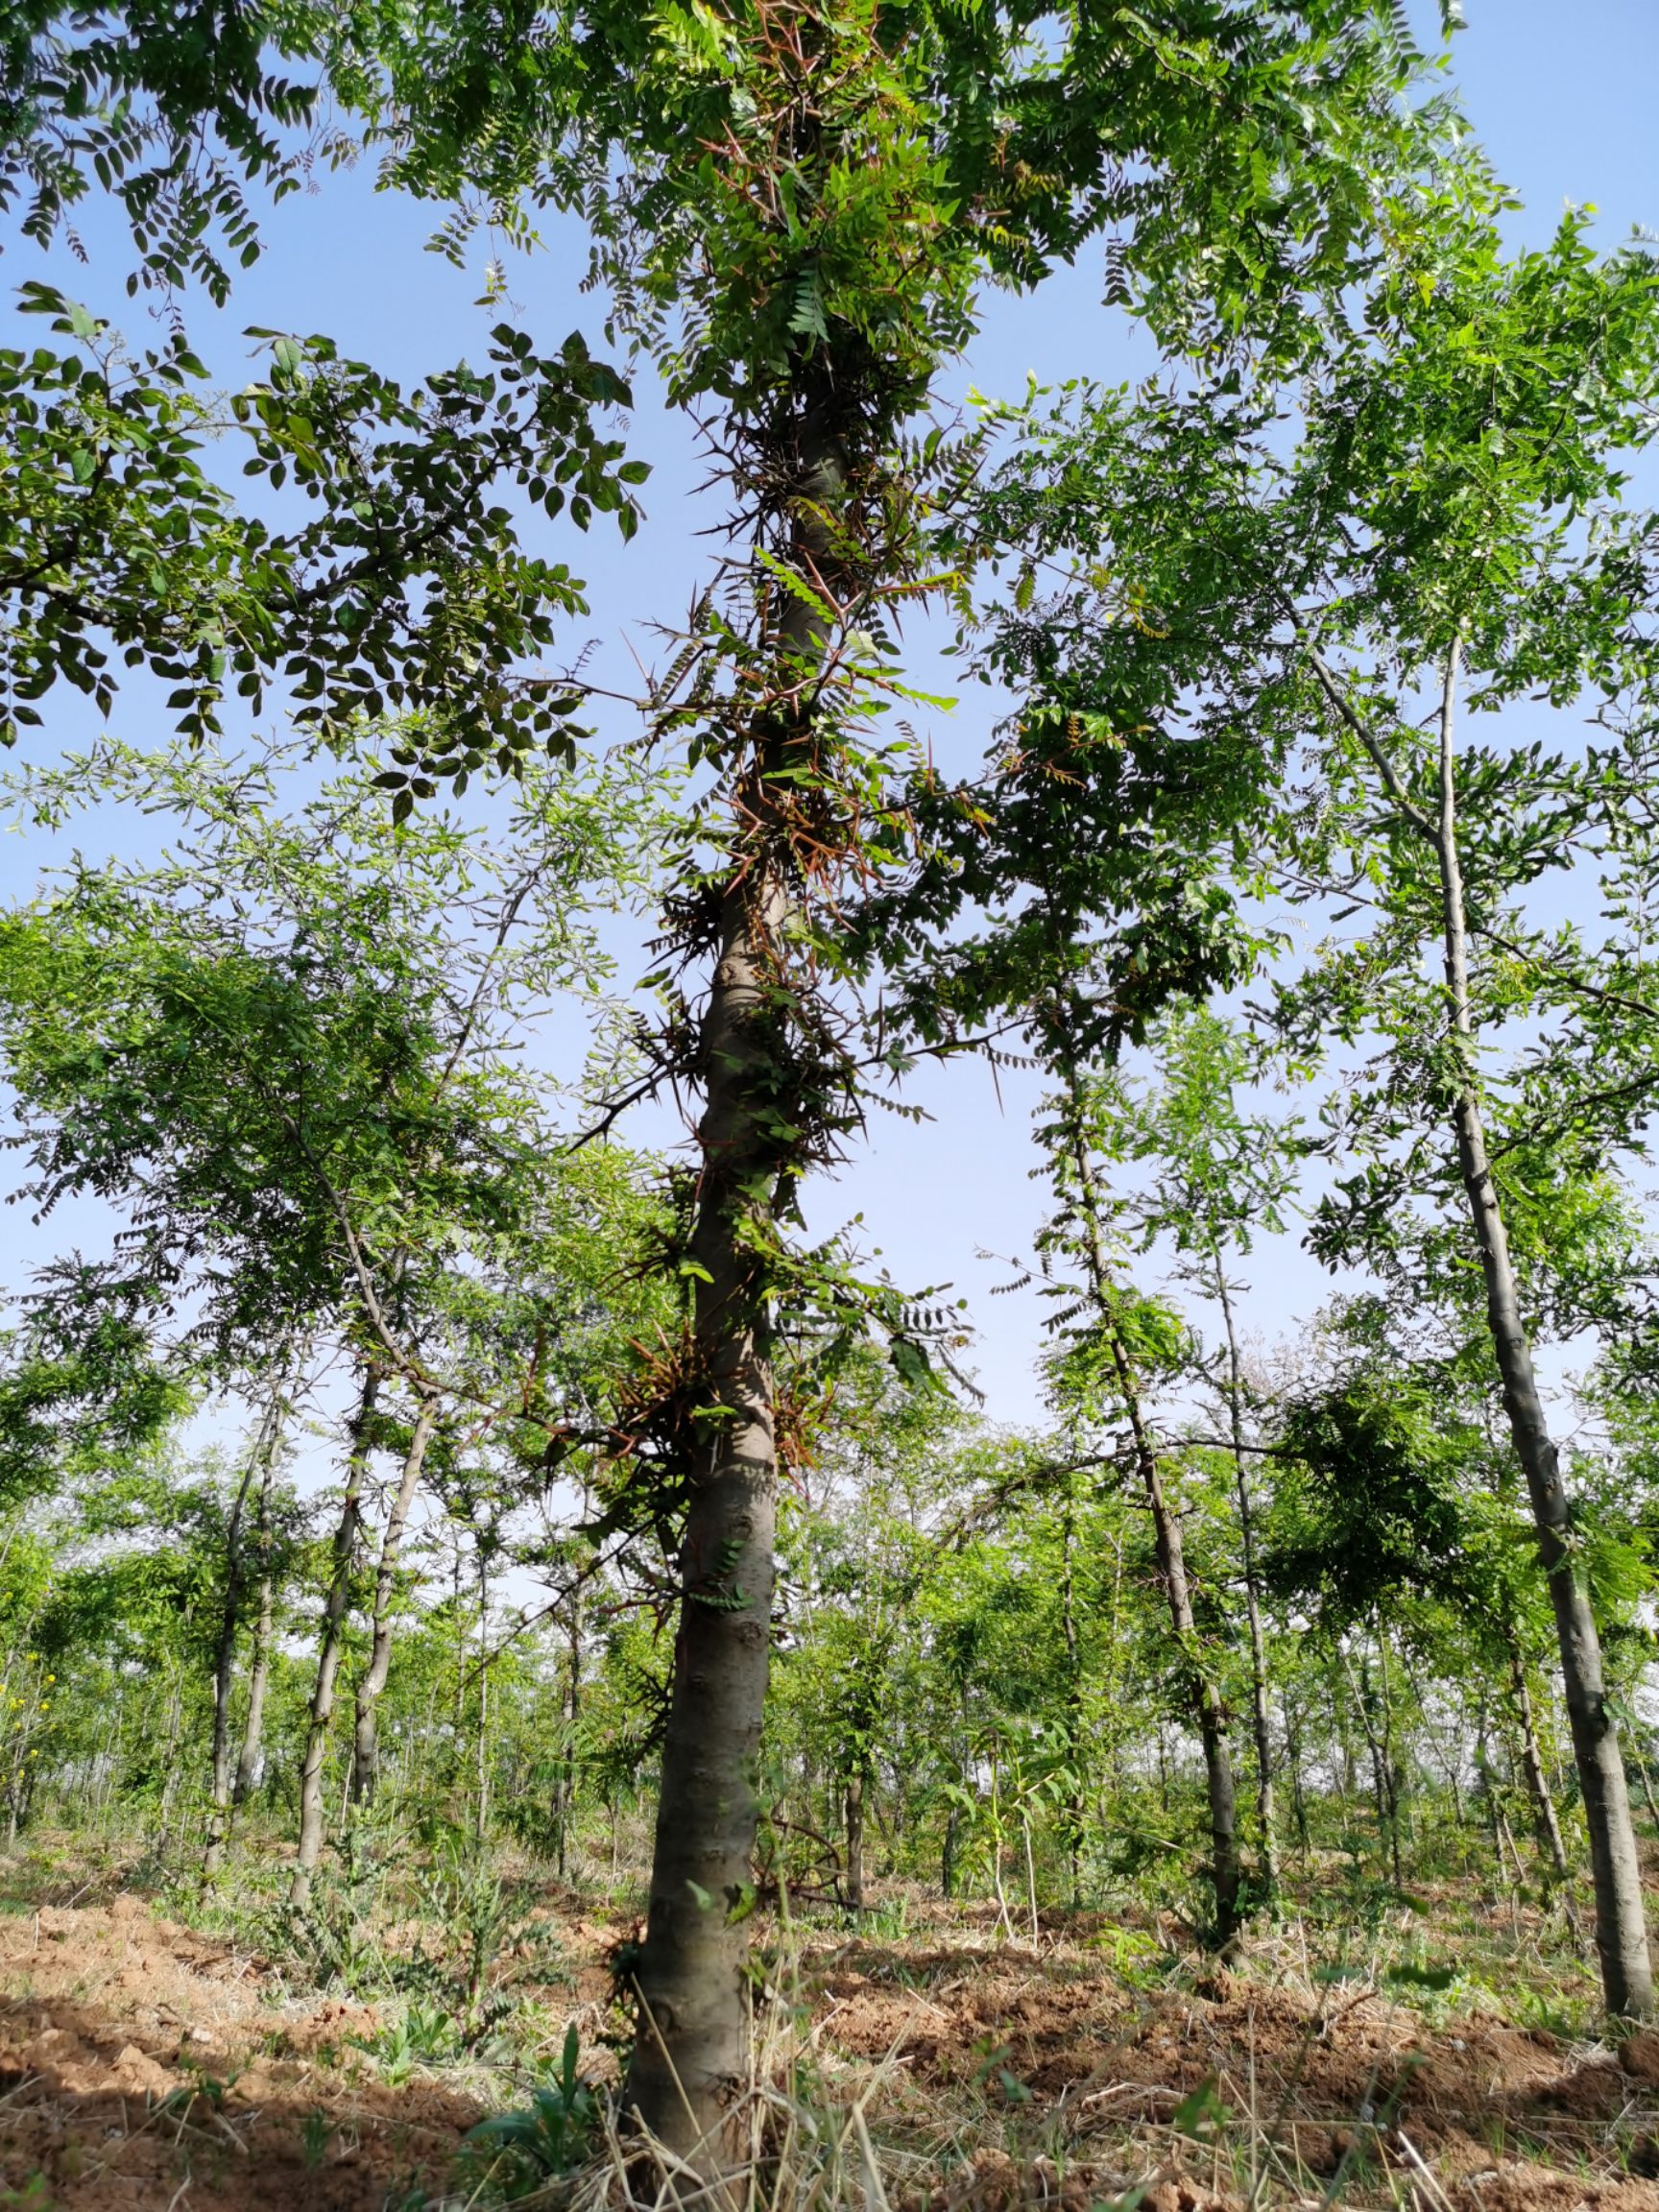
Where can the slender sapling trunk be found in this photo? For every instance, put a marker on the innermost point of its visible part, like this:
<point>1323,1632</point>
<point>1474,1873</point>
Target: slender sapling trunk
<point>365,1744</point>
<point>1262,1726</point>
<point>331,1643</point>
<point>1205,1699</point>
<point>1621,1922</point>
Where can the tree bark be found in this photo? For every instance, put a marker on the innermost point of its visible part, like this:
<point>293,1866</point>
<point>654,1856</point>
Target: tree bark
<point>1544,1814</point>
<point>365,1736</point>
<point>329,1652</point>
<point>170,1765</point>
<point>1204,1698</point>
<point>482,1757</point>
<point>947,1855</point>
<point>1399,1814</point>
<point>1266,1810</point>
<point>252,1754</point>
<point>261,1459</point>
<point>1621,1923</point>
<point>690,2058</point>
<point>690,2053</point>
<point>1382,1789</point>
<point>1074,1796</point>
<point>855,1813</point>
<point>1293,1752</point>
<point>224,1680</point>
<point>565,1788</point>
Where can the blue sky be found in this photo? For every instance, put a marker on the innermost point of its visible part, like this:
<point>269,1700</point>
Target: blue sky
<point>1562,96</point>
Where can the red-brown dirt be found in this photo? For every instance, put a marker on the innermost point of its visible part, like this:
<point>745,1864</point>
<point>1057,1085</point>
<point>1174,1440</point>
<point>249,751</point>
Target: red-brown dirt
<point>1508,2120</point>
<point>147,2066</point>
<point>139,2060</point>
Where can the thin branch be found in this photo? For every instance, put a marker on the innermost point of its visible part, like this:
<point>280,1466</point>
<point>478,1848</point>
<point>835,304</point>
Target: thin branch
<point>1385,768</point>
<point>407,1365</point>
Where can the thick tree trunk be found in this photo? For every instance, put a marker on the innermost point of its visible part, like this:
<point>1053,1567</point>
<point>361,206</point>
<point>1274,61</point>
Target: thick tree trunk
<point>1621,1924</point>
<point>692,2051</point>
<point>690,2058</point>
<point>1265,1811</point>
<point>364,1740</point>
<point>329,1651</point>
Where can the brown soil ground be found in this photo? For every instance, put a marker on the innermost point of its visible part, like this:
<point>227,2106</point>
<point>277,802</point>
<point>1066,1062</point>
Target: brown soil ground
<point>139,2060</point>
<point>1336,2090</point>
<point>144,2065</point>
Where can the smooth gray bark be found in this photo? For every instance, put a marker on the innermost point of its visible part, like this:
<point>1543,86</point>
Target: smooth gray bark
<point>854,1819</point>
<point>251,1757</point>
<point>1544,1813</point>
<point>261,1468</point>
<point>1620,1921</point>
<point>691,2049</point>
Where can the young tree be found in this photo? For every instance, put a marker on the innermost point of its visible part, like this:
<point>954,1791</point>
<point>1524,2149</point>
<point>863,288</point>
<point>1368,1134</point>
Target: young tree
<point>1461,563</point>
<point>1447,534</point>
<point>1220,1175</point>
<point>1114,1347</point>
<point>292,1081</point>
<point>255,1485</point>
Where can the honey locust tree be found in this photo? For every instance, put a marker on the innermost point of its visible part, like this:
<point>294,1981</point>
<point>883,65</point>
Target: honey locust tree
<point>797,205</point>
<point>120,539</point>
<point>1397,1498</point>
<point>1359,620</point>
<point>280,1055</point>
<point>1463,469</point>
<point>1215,1175</point>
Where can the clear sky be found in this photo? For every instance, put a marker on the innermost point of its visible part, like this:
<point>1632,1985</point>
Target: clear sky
<point>1562,93</point>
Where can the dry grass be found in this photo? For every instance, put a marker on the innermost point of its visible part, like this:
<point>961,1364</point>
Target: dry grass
<point>916,2065</point>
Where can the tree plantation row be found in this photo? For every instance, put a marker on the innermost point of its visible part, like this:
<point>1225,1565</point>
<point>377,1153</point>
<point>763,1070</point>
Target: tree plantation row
<point>408,1442</point>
